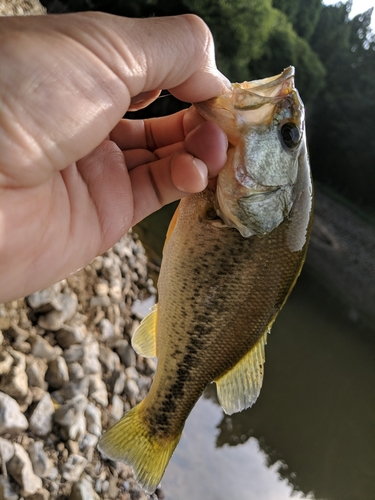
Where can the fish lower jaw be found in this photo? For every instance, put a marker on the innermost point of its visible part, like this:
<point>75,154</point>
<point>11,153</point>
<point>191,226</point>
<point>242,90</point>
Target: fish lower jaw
<point>258,213</point>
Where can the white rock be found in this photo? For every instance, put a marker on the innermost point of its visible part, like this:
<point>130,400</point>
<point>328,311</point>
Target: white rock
<point>101,288</point>
<point>132,373</point>
<point>131,388</point>
<point>19,359</point>
<point>97,263</point>
<point>75,371</point>
<point>115,292</point>
<point>90,362</point>
<point>71,390</point>
<point>41,298</point>
<point>6,490</point>
<point>110,360</point>
<point>107,329</point>
<point>6,362</point>
<point>89,441</point>
<point>65,307</point>
<point>74,354</point>
<point>36,373</point>
<point>71,417</point>
<point>88,446</point>
<point>151,364</point>
<point>117,408</point>
<point>93,419</point>
<point>21,469</point>
<point>69,335</point>
<point>18,334</point>
<point>53,473</point>
<point>6,451</point>
<point>100,301</point>
<point>111,267</point>
<point>11,418</point>
<point>86,354</point>
<point>128,356</point>
<point>57,374</point>
<point>42,465</point>
<point>42,349</point>
<point>36,394</point>
<point>15,384</point>
<point>83,490</point>
<point>98,390</point>
<point>118,382</point>
<point>41,420</point>
<point>73,467</point>
<point>41,494</point>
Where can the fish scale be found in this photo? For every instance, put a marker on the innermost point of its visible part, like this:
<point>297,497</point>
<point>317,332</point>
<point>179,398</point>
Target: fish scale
<point>231,258</point>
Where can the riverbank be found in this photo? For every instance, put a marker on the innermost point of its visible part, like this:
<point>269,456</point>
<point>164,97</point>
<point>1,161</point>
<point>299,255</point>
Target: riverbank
<point>342,255</point>
<point>67,372</point>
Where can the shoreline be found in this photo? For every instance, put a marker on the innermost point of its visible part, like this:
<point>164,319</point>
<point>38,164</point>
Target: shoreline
<point>67,373</point>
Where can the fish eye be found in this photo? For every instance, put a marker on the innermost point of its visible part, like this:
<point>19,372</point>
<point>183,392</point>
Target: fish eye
<point>290,135</point>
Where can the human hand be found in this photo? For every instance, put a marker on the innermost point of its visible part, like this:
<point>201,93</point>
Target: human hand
<point>74,177</point>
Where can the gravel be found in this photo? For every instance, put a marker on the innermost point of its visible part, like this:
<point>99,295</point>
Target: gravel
<point>67,373</point>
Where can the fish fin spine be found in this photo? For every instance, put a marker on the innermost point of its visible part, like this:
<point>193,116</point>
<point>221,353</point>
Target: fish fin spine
<point>239,388</point>
<point>131,441</point>
<point>144,338</point>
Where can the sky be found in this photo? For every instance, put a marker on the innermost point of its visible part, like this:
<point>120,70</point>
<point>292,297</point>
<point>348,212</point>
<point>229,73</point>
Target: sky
<point>359,6</point>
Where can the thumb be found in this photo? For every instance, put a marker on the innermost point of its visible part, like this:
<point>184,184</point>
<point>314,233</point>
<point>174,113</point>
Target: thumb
<point>70,78</point>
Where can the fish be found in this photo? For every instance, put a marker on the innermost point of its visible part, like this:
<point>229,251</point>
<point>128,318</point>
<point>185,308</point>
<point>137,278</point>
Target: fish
<point>231,258</point>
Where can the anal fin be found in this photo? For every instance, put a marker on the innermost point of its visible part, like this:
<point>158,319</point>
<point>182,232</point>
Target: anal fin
<point>239,388</point>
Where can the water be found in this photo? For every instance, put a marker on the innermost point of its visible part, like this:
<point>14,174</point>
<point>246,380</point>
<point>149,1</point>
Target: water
<point>311,434</point>
<point>199,470</point>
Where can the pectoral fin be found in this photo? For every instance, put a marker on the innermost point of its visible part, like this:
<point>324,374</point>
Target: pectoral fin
<point>240,387</point>
<point>144,338</point>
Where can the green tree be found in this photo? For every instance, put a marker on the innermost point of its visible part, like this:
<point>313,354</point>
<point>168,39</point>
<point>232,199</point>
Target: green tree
<point>240,29</point>
<point>303,14</point>
<point>283,48</point>
<point>342,126</point>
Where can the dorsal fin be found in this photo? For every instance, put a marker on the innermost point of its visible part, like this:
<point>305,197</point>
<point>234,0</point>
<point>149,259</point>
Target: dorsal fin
<point>239,388</point>
<point>144,338</point>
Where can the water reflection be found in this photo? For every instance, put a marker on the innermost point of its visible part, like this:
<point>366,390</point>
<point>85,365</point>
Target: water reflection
<point>200,471</point>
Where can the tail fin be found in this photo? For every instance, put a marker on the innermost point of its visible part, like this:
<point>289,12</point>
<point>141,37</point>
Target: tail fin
<point>131,441</point>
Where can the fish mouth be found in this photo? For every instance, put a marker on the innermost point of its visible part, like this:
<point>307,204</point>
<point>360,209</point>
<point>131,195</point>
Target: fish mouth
<point>268,83</point>
<point>252,95</point>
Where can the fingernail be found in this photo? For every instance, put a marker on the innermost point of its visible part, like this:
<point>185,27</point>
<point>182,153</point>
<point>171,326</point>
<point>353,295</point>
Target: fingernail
<point>201,169</point>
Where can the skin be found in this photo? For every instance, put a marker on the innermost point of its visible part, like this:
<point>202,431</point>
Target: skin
<point>74,176</point>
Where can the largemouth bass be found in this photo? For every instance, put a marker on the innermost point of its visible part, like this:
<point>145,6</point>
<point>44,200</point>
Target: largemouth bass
<point>231,258</point>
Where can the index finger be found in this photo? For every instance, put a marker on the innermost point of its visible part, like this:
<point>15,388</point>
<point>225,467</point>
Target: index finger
<point>155,133</point>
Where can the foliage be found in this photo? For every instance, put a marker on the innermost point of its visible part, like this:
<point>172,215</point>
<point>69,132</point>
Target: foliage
<point>240,29</point>
<point>303,14</point>
<point>284,47</point>
<point>342,126</point>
